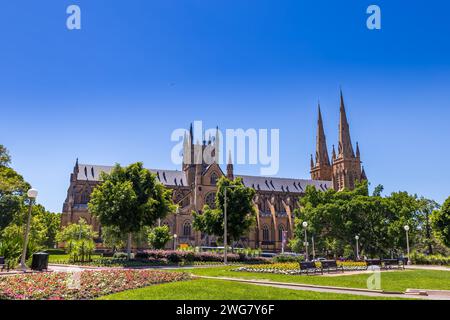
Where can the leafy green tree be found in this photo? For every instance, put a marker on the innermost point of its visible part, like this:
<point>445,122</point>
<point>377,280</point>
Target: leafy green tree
<point>79,240</point>
<point>440,220</point>
<point>426,207</point>
<point>5,158</point>
<point>12,190</point>
<point>240,211</point>
<point>335,218</point>
<point>130,198</point>
<point>112,238</point>
<point>158,237</point>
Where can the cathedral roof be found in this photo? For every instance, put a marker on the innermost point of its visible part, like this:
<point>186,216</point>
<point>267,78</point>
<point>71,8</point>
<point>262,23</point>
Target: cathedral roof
<point>89,172</point>
<point>283,184</point>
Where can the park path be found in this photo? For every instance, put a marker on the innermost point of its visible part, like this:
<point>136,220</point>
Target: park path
<point>426,267</point>
<point>341,290</point>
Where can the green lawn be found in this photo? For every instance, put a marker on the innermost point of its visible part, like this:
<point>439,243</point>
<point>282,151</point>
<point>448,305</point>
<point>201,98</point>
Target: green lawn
<point>390,281</point>
<point>64,258</point>
<point>205,289</point>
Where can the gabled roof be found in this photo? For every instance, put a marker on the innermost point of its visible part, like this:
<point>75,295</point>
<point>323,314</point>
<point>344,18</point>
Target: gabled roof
<point>89,172</point>
<point>283,184</point>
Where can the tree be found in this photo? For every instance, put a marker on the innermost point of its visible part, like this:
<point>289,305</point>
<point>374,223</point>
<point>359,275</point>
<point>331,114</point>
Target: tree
<point>112,238</point>
<point>335,218</point>
<point>440,220</point>
<point>158,237</point>
<point>130,198</point>
<point>240,211</point>
<point>5,158</point>
<point>427,206</point>
<point>13,189</point>
<point>79,240</point>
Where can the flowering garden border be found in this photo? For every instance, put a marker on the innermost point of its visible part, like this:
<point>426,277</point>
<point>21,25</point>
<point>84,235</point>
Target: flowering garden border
<point>84,285</point>
<point>293,268</point>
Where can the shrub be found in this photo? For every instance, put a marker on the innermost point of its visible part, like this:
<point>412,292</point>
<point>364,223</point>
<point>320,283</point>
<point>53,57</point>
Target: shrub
<point>55,251</point>
<point>286,258</point>
<point>158,237</point>
<point>419,258</point>
<point>120,255</point>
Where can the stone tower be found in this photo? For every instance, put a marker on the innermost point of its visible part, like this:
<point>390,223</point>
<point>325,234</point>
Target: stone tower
<point>346,164</point>
<point>321,168</point>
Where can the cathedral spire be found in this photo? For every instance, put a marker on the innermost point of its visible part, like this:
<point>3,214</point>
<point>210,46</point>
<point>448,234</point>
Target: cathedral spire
<point>321,143</point>
<point>230,169</point>
<point>358,154</point>
<point>345,143</point>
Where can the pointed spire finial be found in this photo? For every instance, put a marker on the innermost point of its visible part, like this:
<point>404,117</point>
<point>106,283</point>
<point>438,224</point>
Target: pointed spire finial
<point>312,161</point>
<point>230,159</point>
<point>345,143</point>
<point>358,154</point>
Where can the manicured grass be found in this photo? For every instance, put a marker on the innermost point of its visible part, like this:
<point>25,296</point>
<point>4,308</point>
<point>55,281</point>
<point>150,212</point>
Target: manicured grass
<point>206,289</point>
<point>64,258</point>
<point>390,281</point>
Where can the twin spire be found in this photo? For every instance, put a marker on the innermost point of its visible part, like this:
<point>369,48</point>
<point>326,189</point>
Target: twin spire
<point>345,147</point>
<point>321,143</point>
<point>345,165</point>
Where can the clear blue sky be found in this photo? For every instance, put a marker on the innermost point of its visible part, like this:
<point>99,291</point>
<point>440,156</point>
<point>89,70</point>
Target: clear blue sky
<point>115,90</point>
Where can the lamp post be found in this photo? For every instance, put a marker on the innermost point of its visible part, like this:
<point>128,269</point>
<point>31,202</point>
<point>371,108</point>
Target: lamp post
<point>175,242</point>
<point>407,243</point>
<point>32,194</point>
<point>313,248</point>
<point>225,241</point>
<point>305,225</point>
<point>357,247</point>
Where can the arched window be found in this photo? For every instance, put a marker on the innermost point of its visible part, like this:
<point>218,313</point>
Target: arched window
<point>266,233</point>
<point>85,196</point>
<point>187,229</point>
<point>213,179</point>
<point>210,200</point>
<point>280,232</point>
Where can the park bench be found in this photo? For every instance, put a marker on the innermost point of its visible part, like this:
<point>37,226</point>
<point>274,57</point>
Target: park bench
<point>374,262</point>
<point>309,266</point>
<point>3,264</point>
<point>393,263</point>
<point>331,265</point>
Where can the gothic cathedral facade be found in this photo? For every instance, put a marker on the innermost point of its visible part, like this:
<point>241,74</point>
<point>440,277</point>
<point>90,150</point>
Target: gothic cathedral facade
<point>195,185</point>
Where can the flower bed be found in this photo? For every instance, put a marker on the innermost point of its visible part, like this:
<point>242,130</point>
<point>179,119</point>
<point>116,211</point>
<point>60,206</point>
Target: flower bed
<point>294,268</point>
<point>81,286</point>
<point>188,257</point>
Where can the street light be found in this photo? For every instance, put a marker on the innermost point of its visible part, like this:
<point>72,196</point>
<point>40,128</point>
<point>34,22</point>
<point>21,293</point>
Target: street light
<point>357,247</point>
<point>225,245</point>
<point>175,241</point>
<point>407,243</point>
<point>32,195</point>
<point>305,225</point>
<point>313,248</point>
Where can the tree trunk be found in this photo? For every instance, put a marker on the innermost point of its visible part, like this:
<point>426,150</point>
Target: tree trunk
<point>129,246</point>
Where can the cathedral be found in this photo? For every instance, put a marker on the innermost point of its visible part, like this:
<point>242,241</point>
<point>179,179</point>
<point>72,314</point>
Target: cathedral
<point>195,185</point>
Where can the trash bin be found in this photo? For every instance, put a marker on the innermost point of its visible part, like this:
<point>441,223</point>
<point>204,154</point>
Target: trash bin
<point>40,261</point>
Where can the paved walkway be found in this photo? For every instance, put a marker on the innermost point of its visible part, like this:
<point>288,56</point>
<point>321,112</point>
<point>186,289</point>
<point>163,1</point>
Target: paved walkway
<point>436,295</point>
<point>426,267</point>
